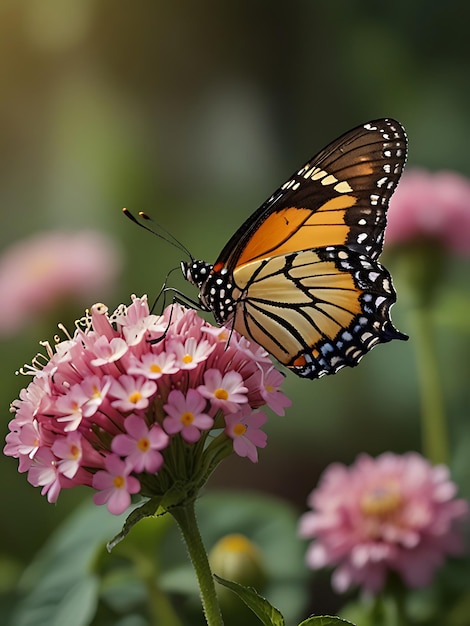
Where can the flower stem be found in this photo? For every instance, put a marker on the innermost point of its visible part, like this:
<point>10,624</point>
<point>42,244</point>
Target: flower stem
<point>185,517</point>
<point>433,420</point>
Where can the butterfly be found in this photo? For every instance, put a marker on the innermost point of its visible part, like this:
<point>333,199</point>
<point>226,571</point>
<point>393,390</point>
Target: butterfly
<point>301,277</point>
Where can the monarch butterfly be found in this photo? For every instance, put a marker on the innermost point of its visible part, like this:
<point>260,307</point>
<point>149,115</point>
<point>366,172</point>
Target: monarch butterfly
<point>300,277</point>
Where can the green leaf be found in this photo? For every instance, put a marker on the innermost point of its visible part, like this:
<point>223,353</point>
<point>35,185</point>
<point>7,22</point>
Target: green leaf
<point>268,614</point>
<point>71,603</point>
<point>325,620</point>
<point>148,509</point>
<point>59,586</point>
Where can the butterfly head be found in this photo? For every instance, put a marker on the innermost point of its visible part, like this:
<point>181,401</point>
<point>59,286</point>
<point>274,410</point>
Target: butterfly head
<point>196,272</point>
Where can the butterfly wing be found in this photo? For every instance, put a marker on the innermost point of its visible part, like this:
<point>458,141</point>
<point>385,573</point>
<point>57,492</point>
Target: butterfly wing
<point>300,277</point>
<point>316,311</point>
<point>339,197</point>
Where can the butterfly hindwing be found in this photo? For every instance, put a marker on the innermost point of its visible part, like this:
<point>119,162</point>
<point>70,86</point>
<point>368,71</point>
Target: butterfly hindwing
<point>338,311</point>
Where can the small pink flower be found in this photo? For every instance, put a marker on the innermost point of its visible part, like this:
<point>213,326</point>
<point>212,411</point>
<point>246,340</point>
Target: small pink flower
<point>394,513</point>
<point>132,394</point>
<point>108,351</point>
<point>226,392</point>
<point>29,439</point>
<point>244,428</point>
<point>433,206</point>
<point>95,390</point>
<point>44,473</point>
<point>154,366</point>
<point>69,452</point>
<point>69,407</point>
<point>114,485</point>
<point>51,267</point>
<point>191,353</point>
<point>271,393</point>
<point>141,445</point>
<point>186,415</point>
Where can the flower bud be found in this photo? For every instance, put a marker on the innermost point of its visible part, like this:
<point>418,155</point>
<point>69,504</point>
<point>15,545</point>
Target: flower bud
<point>237,558</point>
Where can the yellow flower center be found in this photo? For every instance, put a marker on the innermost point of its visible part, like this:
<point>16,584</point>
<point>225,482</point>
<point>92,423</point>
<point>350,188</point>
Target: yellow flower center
<point>239,429</point>
<point>187,358</point>
<point>74,451</point>
<point>135,397</point>
<point>96,392</point>
<point>381,500</point>
<point>155,369</point>
<point>269,388</point>
<point>119,482</point>
<point>221,394</point>
<point>187,418</point>
<point>143,444</point>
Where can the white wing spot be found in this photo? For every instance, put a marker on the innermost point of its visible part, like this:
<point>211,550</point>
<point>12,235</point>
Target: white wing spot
<point>329,180</point>
<point>343,187</point>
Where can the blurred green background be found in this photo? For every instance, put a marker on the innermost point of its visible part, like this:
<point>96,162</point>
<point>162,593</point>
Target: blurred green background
<point>195,112</point>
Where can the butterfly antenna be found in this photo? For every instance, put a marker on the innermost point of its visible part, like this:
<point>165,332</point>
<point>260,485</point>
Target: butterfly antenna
<point>171,239</point>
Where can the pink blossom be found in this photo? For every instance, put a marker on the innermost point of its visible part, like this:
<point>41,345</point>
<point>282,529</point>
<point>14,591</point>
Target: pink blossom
<point>141,445</point>
<point>189,354</point>
<point>244,428</point>
<point>114,485</point>
<point>154,366</point>
<point>53,267</point>
<point>44,473</point>
<point>394,513</point>
<point>432,206</point>
<point>69,452</point>
<point>274,398</point>
<point>69,407</point>
<point>106,406</point>
<point>225,392</point>
<point>94,390</point>
<point>23,441</point>
<point>186,415</point>
<point>131,393</point>
<point>108,351</point>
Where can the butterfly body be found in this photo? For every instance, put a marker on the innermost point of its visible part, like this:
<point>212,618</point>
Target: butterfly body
<point>300,277</point>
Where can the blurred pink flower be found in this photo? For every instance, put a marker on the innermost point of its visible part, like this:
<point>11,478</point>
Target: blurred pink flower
<point>50,268</point>
<point>433,206</point>
<point>396,512</point>
<point>107,404</point>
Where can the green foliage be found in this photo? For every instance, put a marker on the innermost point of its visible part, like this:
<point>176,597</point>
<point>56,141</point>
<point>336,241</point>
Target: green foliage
<point>147,575</point>
<point>267,614</point>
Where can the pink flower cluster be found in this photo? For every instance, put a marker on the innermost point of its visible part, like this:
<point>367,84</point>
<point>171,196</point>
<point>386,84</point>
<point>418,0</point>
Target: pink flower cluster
<point>49,268</point>
<point>395,513</point>
<point>106,403</point>
<point>433,206</point>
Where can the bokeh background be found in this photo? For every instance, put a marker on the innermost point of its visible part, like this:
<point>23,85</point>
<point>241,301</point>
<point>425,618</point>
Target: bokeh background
<point>194,112</point>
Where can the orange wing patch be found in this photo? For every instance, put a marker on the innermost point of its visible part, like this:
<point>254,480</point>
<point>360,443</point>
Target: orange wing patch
<point>293,229</point>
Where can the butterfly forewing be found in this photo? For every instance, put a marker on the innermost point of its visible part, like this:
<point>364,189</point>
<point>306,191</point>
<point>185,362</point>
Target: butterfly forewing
<point>339,197</point>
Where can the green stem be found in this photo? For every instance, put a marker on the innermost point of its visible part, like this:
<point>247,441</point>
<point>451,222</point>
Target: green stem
<point>433,420</point>
<point>185,517</point>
